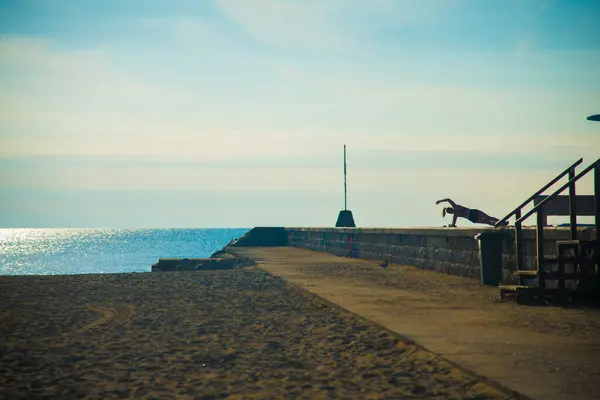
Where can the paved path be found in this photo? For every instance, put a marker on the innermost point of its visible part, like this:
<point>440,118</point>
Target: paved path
<point>542,352</point>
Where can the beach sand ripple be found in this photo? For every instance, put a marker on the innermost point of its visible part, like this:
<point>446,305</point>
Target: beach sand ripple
<point>232,334</point>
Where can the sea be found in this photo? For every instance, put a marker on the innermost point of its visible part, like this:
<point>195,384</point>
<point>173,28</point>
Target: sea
<point>103,251</point>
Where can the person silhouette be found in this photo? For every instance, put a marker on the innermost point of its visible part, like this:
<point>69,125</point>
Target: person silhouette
<point>472,214</point>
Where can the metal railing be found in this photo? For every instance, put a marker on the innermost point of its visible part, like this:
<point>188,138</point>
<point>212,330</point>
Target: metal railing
<point>517,211</point>
<point>539,210</point>
<point>558,191</point>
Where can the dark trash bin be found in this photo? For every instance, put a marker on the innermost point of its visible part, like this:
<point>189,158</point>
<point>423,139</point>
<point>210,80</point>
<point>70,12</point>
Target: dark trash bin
<point>490,256</point>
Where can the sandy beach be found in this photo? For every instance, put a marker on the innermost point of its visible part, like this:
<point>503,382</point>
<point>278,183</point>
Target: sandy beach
<point>231,334</point>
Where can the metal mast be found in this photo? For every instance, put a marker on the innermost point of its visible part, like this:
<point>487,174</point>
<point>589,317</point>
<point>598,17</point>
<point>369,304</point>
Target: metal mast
<point>345,186</point>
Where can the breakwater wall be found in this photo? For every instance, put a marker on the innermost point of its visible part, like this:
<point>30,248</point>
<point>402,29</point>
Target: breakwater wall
<point>457,251</point>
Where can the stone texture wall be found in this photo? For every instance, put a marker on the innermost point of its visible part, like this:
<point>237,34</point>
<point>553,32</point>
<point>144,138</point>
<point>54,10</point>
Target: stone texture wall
<point>453,251</point>
<point>551,236</point>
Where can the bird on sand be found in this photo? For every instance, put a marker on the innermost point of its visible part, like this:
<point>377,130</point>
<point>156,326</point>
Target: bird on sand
<point>384,264</point>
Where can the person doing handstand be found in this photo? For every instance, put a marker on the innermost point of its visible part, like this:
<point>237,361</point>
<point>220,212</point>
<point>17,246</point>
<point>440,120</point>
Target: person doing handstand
<point>472,214</point>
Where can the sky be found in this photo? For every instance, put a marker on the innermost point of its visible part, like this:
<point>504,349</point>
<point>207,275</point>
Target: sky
<point>234,113</point>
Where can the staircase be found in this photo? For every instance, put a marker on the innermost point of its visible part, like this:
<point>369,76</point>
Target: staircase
<point>573,271</point>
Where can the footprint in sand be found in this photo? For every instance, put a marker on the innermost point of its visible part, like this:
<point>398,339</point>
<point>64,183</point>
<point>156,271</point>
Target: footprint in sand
<point>6,317</point>
<point>110,314</point>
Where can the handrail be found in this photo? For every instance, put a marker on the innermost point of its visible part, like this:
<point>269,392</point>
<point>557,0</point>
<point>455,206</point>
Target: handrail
<point>552,182</point>
<point>595,164</point>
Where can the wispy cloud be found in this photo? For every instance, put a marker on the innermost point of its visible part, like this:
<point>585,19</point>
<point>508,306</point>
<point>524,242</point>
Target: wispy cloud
<point>333,25</point>
<point>78,103</point>
<point>430,97</point>
<point>286,23</point>
<point>359,157</point>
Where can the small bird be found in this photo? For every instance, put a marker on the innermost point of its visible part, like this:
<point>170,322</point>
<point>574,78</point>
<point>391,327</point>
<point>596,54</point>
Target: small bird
<point>384,264</point>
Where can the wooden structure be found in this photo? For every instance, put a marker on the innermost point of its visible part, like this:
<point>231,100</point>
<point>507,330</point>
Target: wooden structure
<point>559,206</point>
<point>575,267</point>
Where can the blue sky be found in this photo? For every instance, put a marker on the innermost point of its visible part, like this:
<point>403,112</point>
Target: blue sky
<point>233,113</point>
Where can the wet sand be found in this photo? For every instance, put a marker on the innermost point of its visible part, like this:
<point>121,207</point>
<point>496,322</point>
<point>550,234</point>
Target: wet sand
<point>231,334</point>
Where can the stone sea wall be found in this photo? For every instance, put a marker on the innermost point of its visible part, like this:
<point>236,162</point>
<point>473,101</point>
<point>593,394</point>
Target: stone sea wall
<point>454,251</point>
<point>450,250</point>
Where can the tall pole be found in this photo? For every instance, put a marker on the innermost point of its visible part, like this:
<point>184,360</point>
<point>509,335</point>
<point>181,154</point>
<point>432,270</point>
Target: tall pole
<point>345,187</point>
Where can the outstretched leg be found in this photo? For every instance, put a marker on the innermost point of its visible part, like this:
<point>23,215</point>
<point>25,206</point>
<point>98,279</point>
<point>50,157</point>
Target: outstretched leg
<point>483,218</point>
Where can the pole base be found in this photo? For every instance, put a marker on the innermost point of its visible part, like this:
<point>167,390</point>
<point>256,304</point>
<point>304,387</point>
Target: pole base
<point>345,220</point>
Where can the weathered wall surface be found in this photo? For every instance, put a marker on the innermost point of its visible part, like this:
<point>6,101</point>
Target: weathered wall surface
<point>551,236</point>
<point>454,251</point>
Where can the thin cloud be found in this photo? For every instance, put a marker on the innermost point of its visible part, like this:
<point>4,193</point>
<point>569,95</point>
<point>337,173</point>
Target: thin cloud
<point>285,23</point>
<point>261,96</point>
<point>332,25</point>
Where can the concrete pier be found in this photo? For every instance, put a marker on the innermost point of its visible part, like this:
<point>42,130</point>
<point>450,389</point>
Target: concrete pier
<point>547,353</point>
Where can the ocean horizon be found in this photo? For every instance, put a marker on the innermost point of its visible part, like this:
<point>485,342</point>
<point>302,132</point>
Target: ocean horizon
<point>68,251</point>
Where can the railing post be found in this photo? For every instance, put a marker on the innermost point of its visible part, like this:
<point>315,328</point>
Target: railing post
<point>597,201</point>
<point>597,220</point>
<point>518,250</point>
<point>572,209</point>
<point>540,249</point>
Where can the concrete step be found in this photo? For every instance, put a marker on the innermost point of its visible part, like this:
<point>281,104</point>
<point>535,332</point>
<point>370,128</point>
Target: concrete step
<point>567,243</point>
<point>554,258</point>
<point>548,274</point>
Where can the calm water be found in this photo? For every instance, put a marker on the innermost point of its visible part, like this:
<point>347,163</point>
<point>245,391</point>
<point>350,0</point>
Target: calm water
<point>84,251</point>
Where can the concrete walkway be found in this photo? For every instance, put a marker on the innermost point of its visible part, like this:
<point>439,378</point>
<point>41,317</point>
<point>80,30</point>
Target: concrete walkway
<point>542,352</point>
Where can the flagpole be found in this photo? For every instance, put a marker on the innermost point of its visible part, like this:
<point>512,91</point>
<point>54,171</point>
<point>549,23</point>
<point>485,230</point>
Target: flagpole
<point>345,186</point>
<point>345,218</point>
